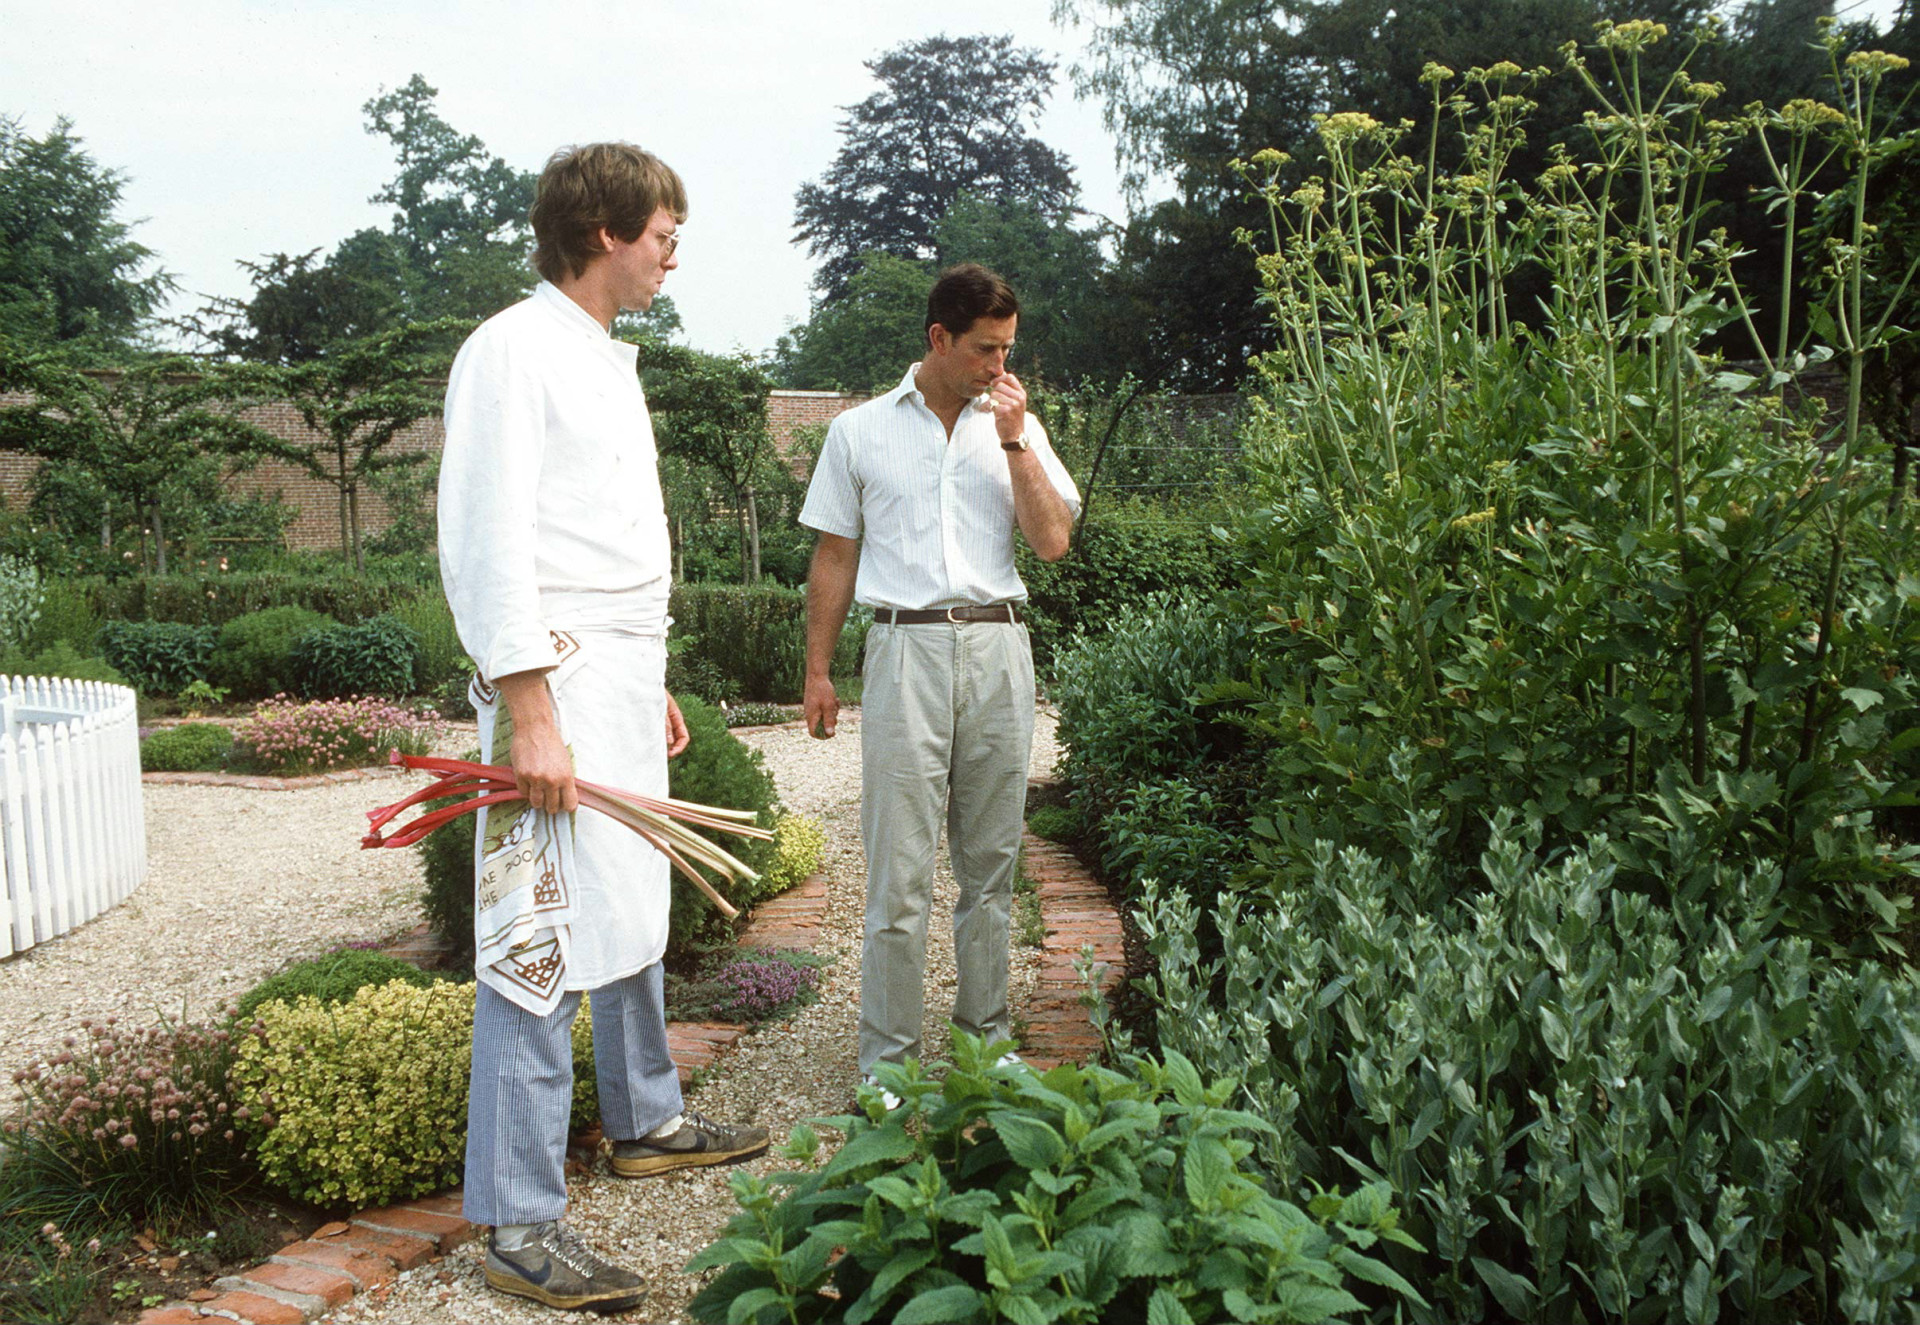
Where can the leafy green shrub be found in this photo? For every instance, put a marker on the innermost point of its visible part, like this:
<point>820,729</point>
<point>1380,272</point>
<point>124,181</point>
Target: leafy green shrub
<point>296,736</point>
<point>125,1124</point>
<point>717,769</point>
<point>446,864</point>
<point>443,662</point>
<point>157,657</point>
<point>376,657</point>
<point>799,842</point>
<point>586,1081</point>
<point>217,599</point>
<point>253,655</point>
<point>330,979</point>
<point>1128,550</point>
<point>752,637</point>
<point>21,594</point>
<point>192,747</point>
<point>1056,823</point>
<point>1084,1195</point>
<point>66,616</point>
<point>59,659</point>
<point>1596,1106</point>
<point>363,1102</point>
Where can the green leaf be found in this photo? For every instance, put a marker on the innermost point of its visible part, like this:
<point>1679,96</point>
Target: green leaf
<point>1514,1293</point>
<point>875,1147</point>
<point>1862,699</point>
<point>1164,1308</point>
<point>902,1267</point>
<point>943,1306</point>
<point>749,1303</point>
<point>1031,1141</point>
<point>1696,1295</point>
<point>1207,1170</point>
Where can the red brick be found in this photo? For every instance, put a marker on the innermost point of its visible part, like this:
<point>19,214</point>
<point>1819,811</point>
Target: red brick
<point>329,1286</point>
<point>170,1316</point>
<point>366,1271</point>
<point>259,1310</point>
<point>405,1252</point>
<point>446,1231</point>
<point>446,1203</point>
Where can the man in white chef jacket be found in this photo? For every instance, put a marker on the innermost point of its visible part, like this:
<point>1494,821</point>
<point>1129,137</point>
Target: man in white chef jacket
<point>554,553</point>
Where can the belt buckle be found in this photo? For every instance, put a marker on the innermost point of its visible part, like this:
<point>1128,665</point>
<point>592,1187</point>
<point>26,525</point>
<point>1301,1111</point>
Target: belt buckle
<point>953,620</point>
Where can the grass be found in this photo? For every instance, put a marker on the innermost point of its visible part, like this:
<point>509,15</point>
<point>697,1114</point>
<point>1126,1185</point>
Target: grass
<point>1029,926</point>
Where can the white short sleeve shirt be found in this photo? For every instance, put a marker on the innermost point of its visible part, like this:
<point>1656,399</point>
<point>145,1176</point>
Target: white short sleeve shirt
<point>934,515</point>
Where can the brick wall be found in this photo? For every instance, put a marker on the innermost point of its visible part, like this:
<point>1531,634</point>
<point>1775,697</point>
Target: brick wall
<point>316,503</point>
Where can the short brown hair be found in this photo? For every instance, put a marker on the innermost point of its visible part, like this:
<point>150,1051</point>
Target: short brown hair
<point>616,185</point>
<point>966,293</point>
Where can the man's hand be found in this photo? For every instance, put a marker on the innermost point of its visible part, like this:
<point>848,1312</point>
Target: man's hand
<point>821,707</point>
<point>1009,407</point>
<point>677,736</point>
<point>542,768</point>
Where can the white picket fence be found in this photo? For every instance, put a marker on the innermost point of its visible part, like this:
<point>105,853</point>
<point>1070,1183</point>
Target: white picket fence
<point>72,836</point>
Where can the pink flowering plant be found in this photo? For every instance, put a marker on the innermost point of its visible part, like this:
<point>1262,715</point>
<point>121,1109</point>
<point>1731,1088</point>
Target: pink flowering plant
<point>295,736</point>
<point>136,1121</point>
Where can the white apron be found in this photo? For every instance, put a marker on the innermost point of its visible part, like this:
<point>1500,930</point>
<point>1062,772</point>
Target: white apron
<point>562,905</point>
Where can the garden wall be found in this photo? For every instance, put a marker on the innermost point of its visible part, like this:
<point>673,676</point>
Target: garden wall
<point>316,525</point>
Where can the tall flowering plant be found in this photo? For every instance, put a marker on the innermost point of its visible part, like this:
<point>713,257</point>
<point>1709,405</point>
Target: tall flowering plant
<point>668,824</point>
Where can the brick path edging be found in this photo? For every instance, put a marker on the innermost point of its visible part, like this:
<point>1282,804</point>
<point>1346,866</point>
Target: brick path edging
<point>368,1251</point>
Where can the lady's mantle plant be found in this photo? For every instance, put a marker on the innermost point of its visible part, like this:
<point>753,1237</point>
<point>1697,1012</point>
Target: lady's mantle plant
<point>1081,1195</point>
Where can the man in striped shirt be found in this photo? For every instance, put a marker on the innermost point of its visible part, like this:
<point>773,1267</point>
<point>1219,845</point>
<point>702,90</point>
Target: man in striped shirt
<point>916,498</point>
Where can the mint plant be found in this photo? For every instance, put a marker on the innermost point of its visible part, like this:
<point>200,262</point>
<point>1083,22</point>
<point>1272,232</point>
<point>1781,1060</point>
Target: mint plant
<point>1081,1195</point>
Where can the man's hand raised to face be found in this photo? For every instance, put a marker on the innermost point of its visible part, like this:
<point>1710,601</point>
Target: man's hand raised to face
<point>1009,400</point>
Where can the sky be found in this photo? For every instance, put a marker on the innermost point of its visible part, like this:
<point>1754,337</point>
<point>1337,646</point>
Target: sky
<point>239,128</point>
<point>238,124</point>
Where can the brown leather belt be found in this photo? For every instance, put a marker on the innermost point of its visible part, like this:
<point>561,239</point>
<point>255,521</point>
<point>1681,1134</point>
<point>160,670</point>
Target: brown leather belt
<point>1004,613</point>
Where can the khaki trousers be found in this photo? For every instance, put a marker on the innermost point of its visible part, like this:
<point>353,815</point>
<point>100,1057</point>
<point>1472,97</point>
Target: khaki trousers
<point>946,726</point>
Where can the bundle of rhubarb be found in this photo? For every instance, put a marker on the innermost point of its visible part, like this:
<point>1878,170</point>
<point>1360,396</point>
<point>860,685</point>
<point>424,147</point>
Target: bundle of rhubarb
<point>668,824</point>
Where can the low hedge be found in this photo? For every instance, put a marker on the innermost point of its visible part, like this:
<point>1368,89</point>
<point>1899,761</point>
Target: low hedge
<point>214,600</point>
<point>157,657</point>
<point>333,978</point>
<point>194,747</point>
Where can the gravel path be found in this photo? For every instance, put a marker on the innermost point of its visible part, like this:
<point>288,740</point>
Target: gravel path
<point>242,881</point>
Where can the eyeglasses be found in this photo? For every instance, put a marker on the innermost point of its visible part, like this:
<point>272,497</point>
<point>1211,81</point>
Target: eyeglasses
<point>668,243</point>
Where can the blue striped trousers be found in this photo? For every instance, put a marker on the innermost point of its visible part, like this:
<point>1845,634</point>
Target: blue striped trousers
<point>521,1092</point>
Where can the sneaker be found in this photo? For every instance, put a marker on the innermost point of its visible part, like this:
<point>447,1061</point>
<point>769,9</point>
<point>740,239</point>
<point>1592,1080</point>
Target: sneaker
<point>698,1142</point>
<point>556,1268</point>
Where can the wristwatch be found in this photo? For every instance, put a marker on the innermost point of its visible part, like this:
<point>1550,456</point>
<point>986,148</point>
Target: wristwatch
<point>1019,443</point>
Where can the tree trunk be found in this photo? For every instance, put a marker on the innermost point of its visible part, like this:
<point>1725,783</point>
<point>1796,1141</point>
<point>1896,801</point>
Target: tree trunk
<point>346,520</point>
<point>740,524</point>
<point>159,540</point>
<point>106,525</point>
<point>353,521</point>
<point>753,534</point>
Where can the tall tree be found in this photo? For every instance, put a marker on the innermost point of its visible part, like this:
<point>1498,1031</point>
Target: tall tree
<point>140,435</point>
<point>358,399</point>
<point>461,212</point>
<point>952,116</point>
<point>457,248</point>
<point>71,273</point>
<point>864,340</point>
<point>711,411</point>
